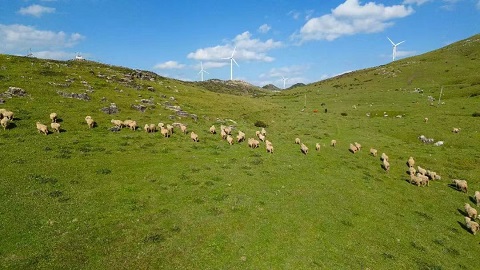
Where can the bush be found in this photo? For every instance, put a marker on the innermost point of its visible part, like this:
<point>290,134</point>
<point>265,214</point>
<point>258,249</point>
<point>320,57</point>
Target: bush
<point>343,114</point>
<point>260,124</point>
<point>476,114</point>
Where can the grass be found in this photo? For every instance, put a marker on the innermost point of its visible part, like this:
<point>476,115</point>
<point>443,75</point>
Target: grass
<point>92,198</point>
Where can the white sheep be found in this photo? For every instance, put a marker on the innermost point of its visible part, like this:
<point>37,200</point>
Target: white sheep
<point>170,129</point>
<point>223,134</point>
<point>153,128</point>
<point>212,129</point>
<point>55,126</point>
<point>147,128</point>
<point>87,117</point>
<point>160,125</point>
<point>359,146</point>
<point>261,137</point>
<point>472,225</point>
<point>373,152</point>
<point>304,149</point>
<point>228,130</point>
<point>90,122</point>
<point>384,157</point>
<point>194,136</point>
<point>183,128</point>
<point>476,196</point>
<point>133,125</point>
<point>386,165</point>
<point>297,140</point>
<point>317,146</point>
<point>269,148</point>
<point>425,119</point>
<point>333,143</point>
<point>230,139</point>
<point>240,136</point>
<point>42,128</point>
<point>421,170</point>
<point>456,130</point>
<point>461,185</point>
<point>164,132</point>
<point>117,123</point>
<point>252,143</point>
<point>7,114</point>
<point>412,170</point>
<point>425,180</point>
<point>410,162</point>
<point>415,180</point>
<point>471,212</point>
<point>4,122</point>
<point>53,117</point>
<point>263,132</point>
<point>353,148</point>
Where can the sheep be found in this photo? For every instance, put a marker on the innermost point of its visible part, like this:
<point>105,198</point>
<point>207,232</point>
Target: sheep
<point>194,136</point>
<point>55,126</point>
<point>456,130</point>
<point>333,143</point>
<point>183,128</point>
<point>317,146</point>
<point>386,165</point>
<point>359,146</point>
<point>471,212</point>
<point>297,140</point>
<point>212,129</point>
<point>117,123</point>
<point>461,185</point>
<point>410,162</point>
<point>252,143</point>
<point>87,117</point>
<point>412,170</point>
<point>425,119</point>
<point>472,225</point>
<point>257,133</point>
<point>1,112</point>
<point>153,128</point>
<point>223,134</point>
<point>7,114</point>
<point>261,137</point>
<point>230,139</point>
<point>133,125</point>
<point>353,148</point>
<point>160,125</point>
<point>421,170</point>
<point>240,136</point>
<point>147,128</point>
<point>263,132</point>
<point>373,152</point>
<point>164,132</point>
<point>415,180</point>
<point>269,148</point>
<point>42,128</point>
<point>90,122</point>
<point>424,179</point>
<point>228,130</point>
<point>53,117</point>
<point>384,157</point>
<point>267,142</point>
<point>4,122</point>
<point>304,149</point>
<point>476,196</point>
<point>170,129</point>
<point>431,174</point>
<point>438,177</point>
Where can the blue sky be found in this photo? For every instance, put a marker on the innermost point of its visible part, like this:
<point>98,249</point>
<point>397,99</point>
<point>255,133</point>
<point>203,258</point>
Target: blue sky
<point>304,41</point>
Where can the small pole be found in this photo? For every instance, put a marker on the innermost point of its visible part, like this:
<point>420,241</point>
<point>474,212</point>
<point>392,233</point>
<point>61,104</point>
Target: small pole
<point>304,106</point>
<point>441,91</point>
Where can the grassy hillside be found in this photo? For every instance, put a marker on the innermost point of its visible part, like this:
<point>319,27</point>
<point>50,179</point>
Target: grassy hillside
<point>93,198</point>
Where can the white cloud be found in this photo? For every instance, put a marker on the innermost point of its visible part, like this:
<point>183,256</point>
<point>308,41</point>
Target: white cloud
<point>18,37</point>
<point>264,28</point>
<point>36,10</point>
<point>351,18</point>
<point>169,65</point>
<point>247,49</point>
<point>289,71</point>
<point>415,2</point>
<point>449,4</point>
<point>294,14</point>
<point>478,5</point>
<point>56,55</point>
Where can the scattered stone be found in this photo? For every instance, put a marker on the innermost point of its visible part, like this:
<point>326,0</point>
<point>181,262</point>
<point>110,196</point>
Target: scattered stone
<point>112,109</point>
<point>139,107</point>
<point>83,96</point>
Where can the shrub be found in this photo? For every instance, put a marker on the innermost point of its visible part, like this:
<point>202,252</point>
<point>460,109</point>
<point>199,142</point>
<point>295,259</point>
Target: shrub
<point>476,114</point>
<point>343,114</point>
<point>260,124</point>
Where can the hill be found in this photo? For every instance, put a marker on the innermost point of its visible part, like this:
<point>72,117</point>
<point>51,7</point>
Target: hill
<point>107,198</point>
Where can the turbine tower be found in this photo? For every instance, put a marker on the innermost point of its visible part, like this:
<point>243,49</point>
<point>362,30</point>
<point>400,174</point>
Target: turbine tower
<point>284,81</point>
<point>394,53</point>
<point>202,70</point>
<point>232,60</point>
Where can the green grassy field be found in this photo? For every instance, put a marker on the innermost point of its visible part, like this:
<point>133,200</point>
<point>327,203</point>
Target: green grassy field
<point>96,199</point>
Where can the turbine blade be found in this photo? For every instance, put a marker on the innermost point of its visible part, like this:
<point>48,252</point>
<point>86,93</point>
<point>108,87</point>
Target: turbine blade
<point>399,43</point>
<point>235,62</point>
<point>234,48</point>
<point>391,41</point>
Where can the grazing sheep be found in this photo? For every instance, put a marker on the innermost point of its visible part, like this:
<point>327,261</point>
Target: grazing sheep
<point>194,136</point>
<point>304,149</point>
<point>257,133</point>
<point>87,117</point>
<point>170,129</point>
<point>55,126</point>
<point>164,132</point>
<point>424,179</point>
<point>263,132</point>
<point>53,117</point>
<point>127,123</point>
<point>353,148</point>
<point>421,170</point>
<point>415,180</point>
<point>410,162</point>
<point>297,140</point>
<point>317,146</point>
<point>384,157</point>
<point>7,114</point>
<point>1,112</point>
<point>267,142</point>
<point>132,125</point>
<point>333,143</point>
<point>153,128</point>
<point>90,122</point>
<point>240,136</point>
<point>252,143</point>
<point>412,170</point>
<point>160,125</point>
<point>42,128</point>
<point>461,185</point>
<point>359,146</point>
<point>4,122</point>
<point>373,152</point>
<point>228,130</point>
<point>456,130</point>
<point>472,225</point>
<point>269,148</point>
<point>117,123</point>
<point>230,139</point>
<point>438,177</point>
<point>425,119</point>
<point>223,134</point>
<point>471,212</point>
<point>212,129</point>
<point>183,128</point>
<point>147,128</point>
<point>261,137</point>
<point>431,174</point>
<point>386,165</point>
<point>476,196</point>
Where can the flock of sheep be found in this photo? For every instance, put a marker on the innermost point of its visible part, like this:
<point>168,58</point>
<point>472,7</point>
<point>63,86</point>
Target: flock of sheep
<point>419,176</point>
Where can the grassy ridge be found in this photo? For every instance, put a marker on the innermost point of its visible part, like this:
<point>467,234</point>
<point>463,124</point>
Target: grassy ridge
<point>92,198</point>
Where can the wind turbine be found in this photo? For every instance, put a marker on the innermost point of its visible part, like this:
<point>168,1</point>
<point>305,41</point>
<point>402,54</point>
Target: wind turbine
<point>202,71</point>
<point>232,60</point>
<point>394,53</point>
<point>284,81</point>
